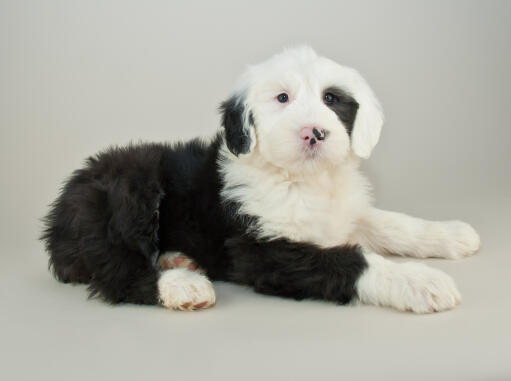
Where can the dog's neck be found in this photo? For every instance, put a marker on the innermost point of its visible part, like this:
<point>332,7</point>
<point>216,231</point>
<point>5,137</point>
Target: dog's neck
<point>289,204</point>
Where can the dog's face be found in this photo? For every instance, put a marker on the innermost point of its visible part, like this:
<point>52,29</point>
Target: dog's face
<point>301,112</point>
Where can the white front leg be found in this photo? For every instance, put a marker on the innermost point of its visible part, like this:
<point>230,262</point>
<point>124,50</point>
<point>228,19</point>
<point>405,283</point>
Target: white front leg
<point>396,233</point>
<point>406,286</point>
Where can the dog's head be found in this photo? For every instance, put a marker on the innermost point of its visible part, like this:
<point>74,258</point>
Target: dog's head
<point>300,111</point>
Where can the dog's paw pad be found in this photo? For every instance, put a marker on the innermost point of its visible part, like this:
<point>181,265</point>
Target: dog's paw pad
<point>201,305</point>
<point>185,290</point>
<point>188,306</point>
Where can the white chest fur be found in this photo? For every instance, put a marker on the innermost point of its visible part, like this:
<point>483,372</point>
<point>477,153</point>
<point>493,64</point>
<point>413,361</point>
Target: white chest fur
<point>320,208</point>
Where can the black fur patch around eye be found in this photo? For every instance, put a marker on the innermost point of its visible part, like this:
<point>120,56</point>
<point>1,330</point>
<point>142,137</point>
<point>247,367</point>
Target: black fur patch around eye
<point>344,105</point>
<point>237,135</point>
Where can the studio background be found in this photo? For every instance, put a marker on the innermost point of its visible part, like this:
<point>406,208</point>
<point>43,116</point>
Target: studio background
<point>78,76</point>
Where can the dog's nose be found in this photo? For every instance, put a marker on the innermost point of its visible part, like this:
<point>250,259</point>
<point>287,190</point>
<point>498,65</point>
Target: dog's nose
<point>312,135</point>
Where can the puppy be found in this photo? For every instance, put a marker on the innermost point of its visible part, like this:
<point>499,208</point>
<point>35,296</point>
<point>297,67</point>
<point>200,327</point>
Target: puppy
<point>275,201</point>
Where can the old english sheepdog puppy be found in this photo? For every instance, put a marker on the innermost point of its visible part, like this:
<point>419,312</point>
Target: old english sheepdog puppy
<point>275,201</point>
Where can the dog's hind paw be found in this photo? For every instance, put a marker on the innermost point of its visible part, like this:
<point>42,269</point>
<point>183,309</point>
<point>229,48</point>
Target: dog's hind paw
<point>182,289</point>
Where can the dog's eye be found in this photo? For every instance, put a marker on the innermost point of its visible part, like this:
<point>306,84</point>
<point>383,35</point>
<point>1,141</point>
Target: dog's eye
<point>330,98</point>
<point>282,98</point>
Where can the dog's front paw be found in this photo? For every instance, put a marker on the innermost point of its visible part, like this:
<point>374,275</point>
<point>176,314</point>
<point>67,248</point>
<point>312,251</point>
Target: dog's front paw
<point>406,286</point>
<point>182,289</point>
<point>459,239</point>
<point>423,289</point>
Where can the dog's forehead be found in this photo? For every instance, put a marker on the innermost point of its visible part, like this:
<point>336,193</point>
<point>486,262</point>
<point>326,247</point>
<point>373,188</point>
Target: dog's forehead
<point>300,65</point>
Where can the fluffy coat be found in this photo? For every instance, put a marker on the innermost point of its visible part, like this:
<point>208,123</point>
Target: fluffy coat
<point>275,201</point>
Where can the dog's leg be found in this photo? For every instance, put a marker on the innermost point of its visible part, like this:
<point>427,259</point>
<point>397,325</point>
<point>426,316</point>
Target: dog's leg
<point>133,280</point>
<point>396,233</point>
<point>103,230</point>
<point>340,274</point>
<point>296,270</point>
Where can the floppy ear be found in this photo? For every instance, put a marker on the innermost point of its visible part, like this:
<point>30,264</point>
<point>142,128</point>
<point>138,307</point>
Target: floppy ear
<point>368,121</point>
<point>238,122</point>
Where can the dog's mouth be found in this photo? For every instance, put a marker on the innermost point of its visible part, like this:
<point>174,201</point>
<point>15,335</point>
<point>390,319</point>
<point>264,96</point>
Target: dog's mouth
<point>312,151</point>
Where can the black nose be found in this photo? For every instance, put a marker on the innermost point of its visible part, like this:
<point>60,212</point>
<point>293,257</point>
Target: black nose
<point>320,134</point>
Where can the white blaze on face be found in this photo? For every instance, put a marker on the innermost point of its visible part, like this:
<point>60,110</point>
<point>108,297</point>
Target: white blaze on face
<point>278,125</point>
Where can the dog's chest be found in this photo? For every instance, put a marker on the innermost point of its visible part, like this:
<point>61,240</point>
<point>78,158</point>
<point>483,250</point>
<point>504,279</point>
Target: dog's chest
<point>320,210</point>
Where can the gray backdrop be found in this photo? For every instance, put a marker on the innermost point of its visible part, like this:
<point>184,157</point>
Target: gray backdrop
<point>77,76</point>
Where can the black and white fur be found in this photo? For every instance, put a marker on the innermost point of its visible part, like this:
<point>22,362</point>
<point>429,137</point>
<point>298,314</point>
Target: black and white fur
<point>275,201</point>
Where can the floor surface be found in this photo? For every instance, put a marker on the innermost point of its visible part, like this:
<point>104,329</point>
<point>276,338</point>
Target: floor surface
<point>51,331</point>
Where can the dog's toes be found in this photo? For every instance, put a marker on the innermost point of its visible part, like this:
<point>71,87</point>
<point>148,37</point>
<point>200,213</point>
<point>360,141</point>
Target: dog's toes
<point>461,240</point>
<point>426,290</point>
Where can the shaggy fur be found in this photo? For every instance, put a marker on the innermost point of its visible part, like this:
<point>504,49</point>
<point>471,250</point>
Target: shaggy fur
<point>275,201</point>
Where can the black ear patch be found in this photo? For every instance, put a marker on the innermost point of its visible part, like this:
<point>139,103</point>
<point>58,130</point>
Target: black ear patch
<point>344,105</point>
<point>237,133</point>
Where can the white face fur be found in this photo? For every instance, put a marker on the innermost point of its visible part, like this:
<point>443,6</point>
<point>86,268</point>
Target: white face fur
<point>285,97</point>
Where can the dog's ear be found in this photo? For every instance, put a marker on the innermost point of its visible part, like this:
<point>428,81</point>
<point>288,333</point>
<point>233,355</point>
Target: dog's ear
<point>238,122</point>
<point>368,121</point>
